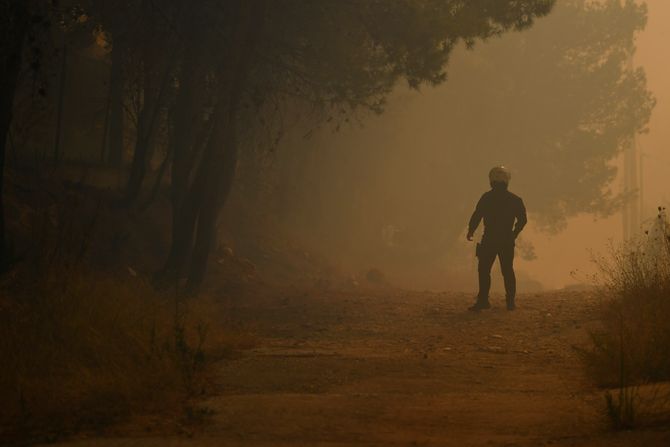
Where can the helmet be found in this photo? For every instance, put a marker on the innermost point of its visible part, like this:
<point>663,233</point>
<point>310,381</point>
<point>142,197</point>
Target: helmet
<point>500,174</point>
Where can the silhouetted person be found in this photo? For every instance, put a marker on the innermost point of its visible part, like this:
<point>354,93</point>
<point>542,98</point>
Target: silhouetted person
<point>504,217</point>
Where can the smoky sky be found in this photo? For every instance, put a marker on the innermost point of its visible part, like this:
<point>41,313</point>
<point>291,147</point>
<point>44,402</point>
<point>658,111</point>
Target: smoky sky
<point>385,181</point>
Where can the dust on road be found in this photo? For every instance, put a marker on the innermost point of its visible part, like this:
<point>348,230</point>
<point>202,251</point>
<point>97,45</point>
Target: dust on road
<point>386,368</point>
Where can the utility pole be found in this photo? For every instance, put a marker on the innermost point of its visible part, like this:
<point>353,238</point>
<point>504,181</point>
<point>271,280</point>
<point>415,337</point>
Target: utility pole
<point>641,186</point>
<point>632,208</point>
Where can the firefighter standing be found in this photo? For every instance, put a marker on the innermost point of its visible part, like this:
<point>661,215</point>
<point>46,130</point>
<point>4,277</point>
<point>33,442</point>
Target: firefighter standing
<point>504,217</point>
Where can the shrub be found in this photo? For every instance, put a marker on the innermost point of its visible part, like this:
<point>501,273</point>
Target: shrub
<point>631,346</point>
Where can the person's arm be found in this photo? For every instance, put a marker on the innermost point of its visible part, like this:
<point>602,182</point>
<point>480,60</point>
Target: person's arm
<point>521,219</point>
<point>475,219</point>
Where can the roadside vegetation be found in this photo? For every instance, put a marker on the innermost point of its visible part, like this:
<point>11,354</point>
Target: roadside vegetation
<point>85,347</point>
<point>629,353</point>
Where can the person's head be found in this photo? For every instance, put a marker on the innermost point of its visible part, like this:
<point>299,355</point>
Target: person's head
<point>499,177</point>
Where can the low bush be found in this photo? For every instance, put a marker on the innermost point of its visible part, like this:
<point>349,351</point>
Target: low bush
<point>631,346</point>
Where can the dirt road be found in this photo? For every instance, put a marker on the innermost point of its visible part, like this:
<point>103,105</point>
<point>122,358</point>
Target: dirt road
<point>391,368</point>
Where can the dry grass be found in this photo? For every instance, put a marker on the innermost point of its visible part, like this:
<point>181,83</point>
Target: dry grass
<point>631,347</point>
<point>83,348</point>
<point>81,351</point>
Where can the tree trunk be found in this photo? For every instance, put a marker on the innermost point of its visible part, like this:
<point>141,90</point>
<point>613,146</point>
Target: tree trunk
<point>17,21</point>
<point>194,231</point>
<point>142,153</point>
<point>157,68</point>
<point>153,100</point>
<point>188,206</point>
<point>153,195</point>
<point>184,222</point>
<point>223,144</point>
<point>181,137</point>
<point>219,189</point>
<point>116,106</point>
<point>184,124</point>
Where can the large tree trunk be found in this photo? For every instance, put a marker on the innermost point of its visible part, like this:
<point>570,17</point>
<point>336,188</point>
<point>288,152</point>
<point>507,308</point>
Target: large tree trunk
<point>221,182</point>
<point>184,222</point>
<point>153,101</point>
<point>183,128</point>
<point>224,145</point>
<point>142,153</point>
<point>15,23</point>
<point>116,105</point>
<point>187,186</point>
<point>194,232</point>
<point>194,228</point>
<point>184,197</point>
<point>156,76</point>
<point>187,201</point>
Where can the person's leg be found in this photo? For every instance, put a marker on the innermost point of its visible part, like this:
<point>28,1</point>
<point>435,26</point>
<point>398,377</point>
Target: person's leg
<point>506,255</point>
<point>487,256</point>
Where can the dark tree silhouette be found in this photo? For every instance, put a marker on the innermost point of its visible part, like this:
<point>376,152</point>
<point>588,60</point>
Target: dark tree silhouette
<point>14,23</point>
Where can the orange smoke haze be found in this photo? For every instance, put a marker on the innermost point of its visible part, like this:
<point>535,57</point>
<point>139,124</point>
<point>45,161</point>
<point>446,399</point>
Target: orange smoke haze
<point>570,251</point>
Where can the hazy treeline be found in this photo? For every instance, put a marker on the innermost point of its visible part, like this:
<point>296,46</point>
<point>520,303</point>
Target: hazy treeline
<point>199,80</point>
<point>200,95</point>
<point>557,103</point>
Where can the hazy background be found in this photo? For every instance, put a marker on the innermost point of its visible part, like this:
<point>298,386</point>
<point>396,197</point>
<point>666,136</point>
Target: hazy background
<point>341,190</point>
<point>366,193</point>
<point>570,251</point>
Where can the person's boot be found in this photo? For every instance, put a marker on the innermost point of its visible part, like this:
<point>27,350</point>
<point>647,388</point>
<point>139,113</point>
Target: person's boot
<point>480,305</point>
<point>510,303</point>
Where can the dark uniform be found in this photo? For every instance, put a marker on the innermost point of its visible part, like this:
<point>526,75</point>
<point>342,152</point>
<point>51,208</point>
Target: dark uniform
<point>504,217</point>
